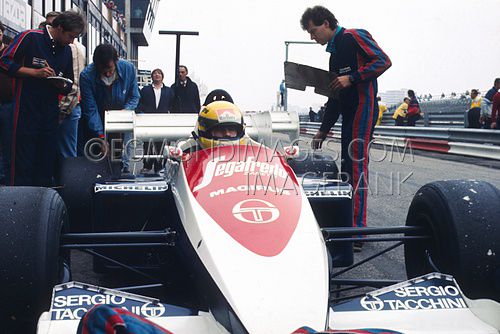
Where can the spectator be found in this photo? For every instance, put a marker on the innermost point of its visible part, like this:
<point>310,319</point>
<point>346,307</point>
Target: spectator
<point>282,92</point>
<point>312,115</point>
<point>321,113</point>
<point>70,109</point>
<point>155,98</point>
<point>400,114</point>
<point>487,104</point>
<point>2,45</point>
<point>381,110</point>
<point>356,61</point>
<point>474,112</point>
<point>414,113</point>
<point>108,83</point>
<point>495,111</point>
<point>50,16</point>
<point>186,95</point>
<point>30,59</point>
<point>48,19</point>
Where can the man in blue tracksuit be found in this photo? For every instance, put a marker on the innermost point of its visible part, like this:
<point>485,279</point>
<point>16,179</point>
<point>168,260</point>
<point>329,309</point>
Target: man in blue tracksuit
<point>108,83</point>
<point>355,62</point>
<point>34,56</point>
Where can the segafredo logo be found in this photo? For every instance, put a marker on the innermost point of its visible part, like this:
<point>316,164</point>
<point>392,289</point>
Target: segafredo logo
<point>256,211</point>
<point>227,115</point>
<point>219,166</point>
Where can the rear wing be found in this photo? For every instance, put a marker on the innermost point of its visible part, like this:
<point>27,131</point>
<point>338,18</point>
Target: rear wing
<point>264,127</point>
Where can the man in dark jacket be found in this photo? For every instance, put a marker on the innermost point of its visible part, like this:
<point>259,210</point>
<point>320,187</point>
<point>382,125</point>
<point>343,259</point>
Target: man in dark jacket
<point>355,63</point>
<point>186,94</point>
<point>34,56</point>
<point>155,98</point>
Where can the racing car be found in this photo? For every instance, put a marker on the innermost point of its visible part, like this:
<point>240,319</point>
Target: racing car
<point>244,239</point>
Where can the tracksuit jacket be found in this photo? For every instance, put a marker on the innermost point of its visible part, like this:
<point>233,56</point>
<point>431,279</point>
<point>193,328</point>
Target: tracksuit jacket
<point>96,97</point>
<point>33,147</point>
<point>355,53</point>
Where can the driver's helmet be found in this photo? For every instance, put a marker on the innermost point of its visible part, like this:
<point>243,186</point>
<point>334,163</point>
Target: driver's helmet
<point>216,120</point>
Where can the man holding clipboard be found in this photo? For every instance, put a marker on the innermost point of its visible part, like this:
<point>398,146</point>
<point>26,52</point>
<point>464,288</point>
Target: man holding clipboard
<point>356,61</point>
<point>33,58</point>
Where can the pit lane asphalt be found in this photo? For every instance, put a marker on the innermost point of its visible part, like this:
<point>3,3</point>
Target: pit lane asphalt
<point>388,204</point>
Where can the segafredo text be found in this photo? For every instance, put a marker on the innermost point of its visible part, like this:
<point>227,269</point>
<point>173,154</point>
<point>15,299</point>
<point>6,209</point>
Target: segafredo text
<point>219,167</point>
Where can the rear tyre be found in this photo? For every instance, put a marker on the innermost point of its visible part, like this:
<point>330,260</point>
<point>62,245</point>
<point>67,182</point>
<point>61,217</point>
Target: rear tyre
<point>31,264</point>
<point>77,178</point>
<point>462,218</point>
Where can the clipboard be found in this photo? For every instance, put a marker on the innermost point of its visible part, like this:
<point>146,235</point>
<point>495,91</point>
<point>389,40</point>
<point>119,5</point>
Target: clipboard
<point>299,76</point>
<point>63,79</point>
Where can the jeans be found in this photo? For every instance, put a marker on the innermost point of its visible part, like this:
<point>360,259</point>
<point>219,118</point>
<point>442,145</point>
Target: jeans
<point>68,134</point>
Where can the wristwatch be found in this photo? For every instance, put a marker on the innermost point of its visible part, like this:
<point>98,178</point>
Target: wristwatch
<point>351,79</point>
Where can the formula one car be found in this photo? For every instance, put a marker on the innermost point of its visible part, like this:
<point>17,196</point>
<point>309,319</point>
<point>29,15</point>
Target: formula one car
<point>244,239</point>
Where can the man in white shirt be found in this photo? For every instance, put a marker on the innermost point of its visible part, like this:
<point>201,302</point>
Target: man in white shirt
<point>155,98</point>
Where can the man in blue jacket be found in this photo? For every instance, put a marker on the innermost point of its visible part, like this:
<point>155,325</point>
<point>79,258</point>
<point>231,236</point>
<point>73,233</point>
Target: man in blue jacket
<point>355,63</point>
<point>34,56</point>
<point>108,83</point>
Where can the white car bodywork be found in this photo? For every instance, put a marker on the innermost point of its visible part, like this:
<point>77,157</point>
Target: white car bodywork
<point>273,290</point>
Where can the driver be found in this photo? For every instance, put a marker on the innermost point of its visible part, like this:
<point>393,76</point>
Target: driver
<point>220,122</point>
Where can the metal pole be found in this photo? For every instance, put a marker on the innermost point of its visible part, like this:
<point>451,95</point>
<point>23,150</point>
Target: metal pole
<point>178,35</point>
<point>285,94</point>
<point>127,33</point>
<point>177,57</point>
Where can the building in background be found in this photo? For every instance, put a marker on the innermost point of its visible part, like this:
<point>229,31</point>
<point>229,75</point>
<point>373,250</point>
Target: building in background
<point>144,78</point>
<point>142,18</point>
<point>107,21</point>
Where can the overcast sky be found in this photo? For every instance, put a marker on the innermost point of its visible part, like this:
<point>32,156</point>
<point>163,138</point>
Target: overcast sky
<point>435,46</point>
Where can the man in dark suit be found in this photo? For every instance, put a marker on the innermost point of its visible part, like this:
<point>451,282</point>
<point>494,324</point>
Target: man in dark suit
<point>186,94</point>
<point>155,98</point>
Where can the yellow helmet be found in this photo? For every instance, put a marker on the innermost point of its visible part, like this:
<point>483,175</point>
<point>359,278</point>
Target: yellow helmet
<point>219,115</point>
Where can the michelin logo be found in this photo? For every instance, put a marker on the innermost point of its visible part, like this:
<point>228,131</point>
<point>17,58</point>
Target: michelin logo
<point>131,187</point>
<point>417,298</point>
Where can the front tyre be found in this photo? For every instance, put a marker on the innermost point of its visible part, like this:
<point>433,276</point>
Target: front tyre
<point>462,218</point>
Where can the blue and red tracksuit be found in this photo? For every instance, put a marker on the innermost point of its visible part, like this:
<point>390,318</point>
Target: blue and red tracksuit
<point>104,319</point>
<point>35,106</point>
<point>355,53</point>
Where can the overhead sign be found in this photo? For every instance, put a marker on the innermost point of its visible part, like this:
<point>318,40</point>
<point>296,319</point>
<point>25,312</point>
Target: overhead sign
<point>430,292</point>
<point>72,300</point>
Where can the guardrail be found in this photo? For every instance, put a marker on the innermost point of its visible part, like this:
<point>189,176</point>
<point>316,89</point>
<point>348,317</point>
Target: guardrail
<point>440,113</point>
<point>468,142</point>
